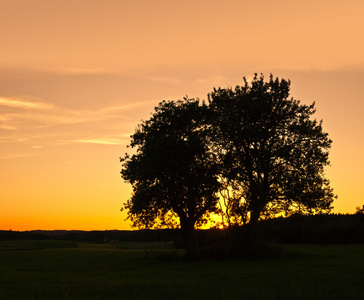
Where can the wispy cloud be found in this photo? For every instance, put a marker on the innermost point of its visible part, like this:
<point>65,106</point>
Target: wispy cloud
<point>81,71</point>
<point>25,104</point>
<point>11,139</point>
<point>100,141</point>
<point>41,124</point>
<point>164,79</point>
<point>58,116</point>
<point>120,108</point>
<point>15,156</point>
<point>7,127</point>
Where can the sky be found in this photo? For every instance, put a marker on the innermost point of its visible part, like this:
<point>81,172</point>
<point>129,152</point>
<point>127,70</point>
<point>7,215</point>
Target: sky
<point>78,76</point>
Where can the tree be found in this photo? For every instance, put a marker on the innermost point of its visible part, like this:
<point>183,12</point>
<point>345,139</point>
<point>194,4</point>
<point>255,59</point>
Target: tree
<point>359,210</point>
<point>173,172</point>
<point>271,149</point>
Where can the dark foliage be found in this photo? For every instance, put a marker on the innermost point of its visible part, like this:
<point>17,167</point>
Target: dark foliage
<point>173,172</point>
<point>271,149</point>
<point>261,150</point>
<point>316,229</point>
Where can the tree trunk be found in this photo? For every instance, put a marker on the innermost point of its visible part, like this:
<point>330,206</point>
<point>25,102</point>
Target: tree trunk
<point>190,237</point>
<point>253,240</point>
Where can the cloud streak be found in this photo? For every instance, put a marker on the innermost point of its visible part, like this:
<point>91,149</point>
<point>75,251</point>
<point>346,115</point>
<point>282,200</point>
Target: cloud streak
<point>42,124</point>
<point>42,114</point>
<point>7,127</point>
<point>24,104</point>
<point>100,141</point>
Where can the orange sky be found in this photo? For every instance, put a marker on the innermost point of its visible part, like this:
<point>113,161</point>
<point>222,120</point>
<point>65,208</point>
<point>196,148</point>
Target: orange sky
<point>77,76</point>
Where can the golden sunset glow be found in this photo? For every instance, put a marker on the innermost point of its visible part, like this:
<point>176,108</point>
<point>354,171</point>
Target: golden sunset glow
<point>77,77</point>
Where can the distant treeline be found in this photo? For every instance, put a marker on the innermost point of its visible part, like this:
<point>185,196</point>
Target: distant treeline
<point>96,236</point>
<point>315,229</point>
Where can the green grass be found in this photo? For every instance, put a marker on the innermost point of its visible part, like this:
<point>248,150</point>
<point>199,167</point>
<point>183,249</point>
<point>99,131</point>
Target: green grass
<point>33,245</point>
<point>94,271</point>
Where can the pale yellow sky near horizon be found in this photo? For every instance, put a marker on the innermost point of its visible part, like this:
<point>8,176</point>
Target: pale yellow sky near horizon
<point>76,77</point>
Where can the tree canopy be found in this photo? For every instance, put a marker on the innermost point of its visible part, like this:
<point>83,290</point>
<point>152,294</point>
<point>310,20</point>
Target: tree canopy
<point>173,171</point>
<point>263,151</point>
<point>271,149</point>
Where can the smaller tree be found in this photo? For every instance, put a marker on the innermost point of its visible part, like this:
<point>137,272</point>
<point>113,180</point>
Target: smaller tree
<point>173,172</point>
<point>359,210</point>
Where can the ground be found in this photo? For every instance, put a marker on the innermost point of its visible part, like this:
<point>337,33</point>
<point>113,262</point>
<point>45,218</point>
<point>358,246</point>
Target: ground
<point>70,270</point>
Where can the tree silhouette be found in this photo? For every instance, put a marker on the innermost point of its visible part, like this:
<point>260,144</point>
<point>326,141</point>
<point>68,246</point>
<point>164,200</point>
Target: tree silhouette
<point>271,149</point>
<point>173,170</point>
<point>359,210</point>
<point>262,151</point>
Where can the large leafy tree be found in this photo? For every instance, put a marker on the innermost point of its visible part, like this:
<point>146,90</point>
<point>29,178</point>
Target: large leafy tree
<point>272,151</point>
<point>173,170</point>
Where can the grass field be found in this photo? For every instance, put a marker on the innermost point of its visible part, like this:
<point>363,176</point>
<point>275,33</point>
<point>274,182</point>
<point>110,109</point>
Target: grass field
<point>69,270</point>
